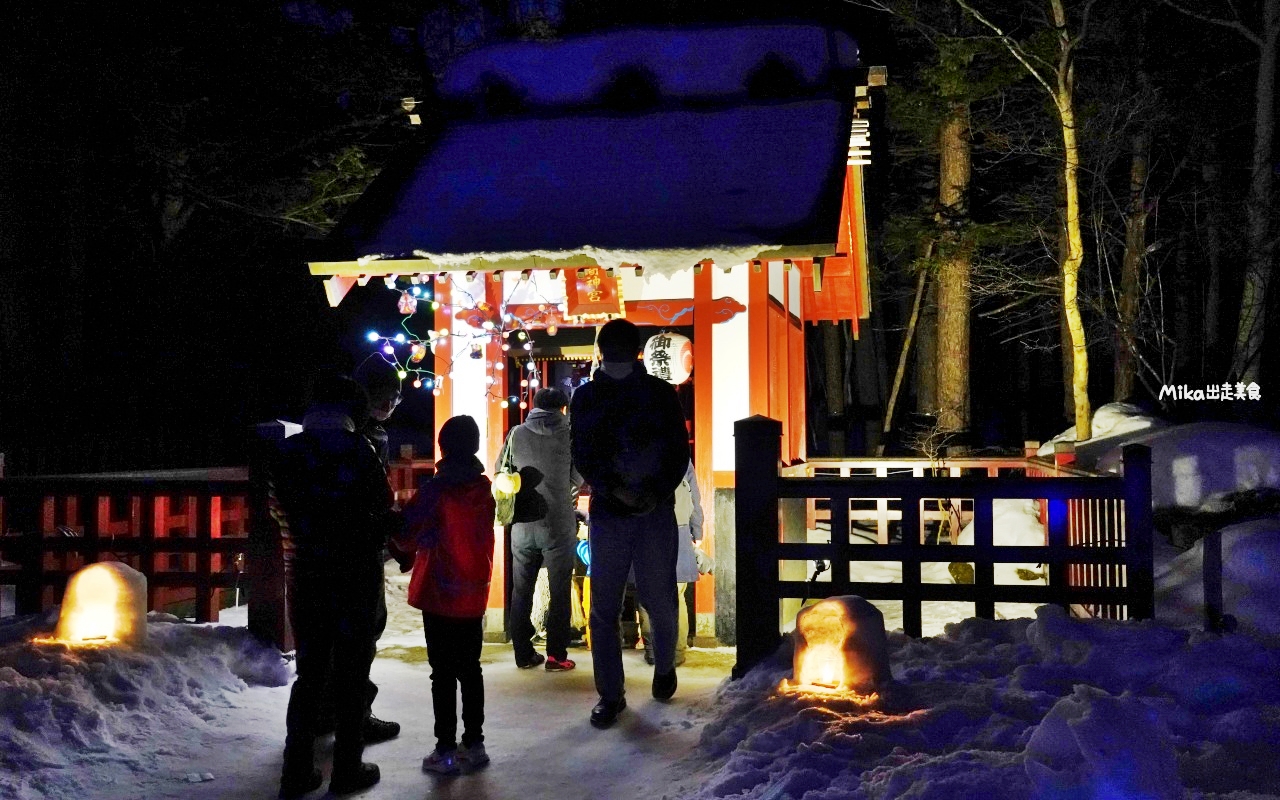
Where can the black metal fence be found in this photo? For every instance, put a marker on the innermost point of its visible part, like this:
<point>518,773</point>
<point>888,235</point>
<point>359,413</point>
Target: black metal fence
<point>1112,571</point>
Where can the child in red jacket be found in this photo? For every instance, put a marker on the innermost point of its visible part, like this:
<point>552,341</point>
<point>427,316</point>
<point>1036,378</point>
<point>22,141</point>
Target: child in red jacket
<point>449,528</point>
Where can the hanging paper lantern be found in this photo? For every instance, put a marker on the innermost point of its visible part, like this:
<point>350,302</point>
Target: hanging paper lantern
<point>408,303</point>
<point>669,356</point>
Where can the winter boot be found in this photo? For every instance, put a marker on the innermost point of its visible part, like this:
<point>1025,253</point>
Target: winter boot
<point>376,730</point>
<point>348,779</point>
<point>664,686</point>
<point>300,775</point>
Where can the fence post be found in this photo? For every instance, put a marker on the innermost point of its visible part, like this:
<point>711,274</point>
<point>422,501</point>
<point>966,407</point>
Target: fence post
<point>1137,528</point>
<point>757,450</point>
<point>264,552</point>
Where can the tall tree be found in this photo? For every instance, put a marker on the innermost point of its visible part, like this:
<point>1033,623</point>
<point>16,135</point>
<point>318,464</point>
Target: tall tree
<point>937,110</point>
<point>1263,33</point>
<point>1057,77</point>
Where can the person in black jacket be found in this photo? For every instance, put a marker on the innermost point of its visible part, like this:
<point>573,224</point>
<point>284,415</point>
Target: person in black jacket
<point>340,510</point>
<point>630,444</point>
<point>381,383</point>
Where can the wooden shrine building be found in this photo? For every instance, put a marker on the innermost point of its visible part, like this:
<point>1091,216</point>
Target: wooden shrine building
<point>702,182</point>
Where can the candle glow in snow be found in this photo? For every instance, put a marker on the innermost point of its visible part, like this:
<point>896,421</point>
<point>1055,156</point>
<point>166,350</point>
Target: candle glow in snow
<point>840,646</point>
<point>105,603</point>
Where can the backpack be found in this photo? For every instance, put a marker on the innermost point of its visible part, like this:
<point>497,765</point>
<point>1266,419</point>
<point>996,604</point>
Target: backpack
<point>684,503</point>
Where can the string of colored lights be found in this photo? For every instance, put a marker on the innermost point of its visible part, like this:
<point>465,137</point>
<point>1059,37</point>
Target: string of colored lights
<point>507,325</point>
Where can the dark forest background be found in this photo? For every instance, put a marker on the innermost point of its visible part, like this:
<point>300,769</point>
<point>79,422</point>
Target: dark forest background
<point>167,166</point>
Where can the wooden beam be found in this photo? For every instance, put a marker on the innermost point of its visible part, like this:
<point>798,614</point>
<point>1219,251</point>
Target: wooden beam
<point>703,318</point>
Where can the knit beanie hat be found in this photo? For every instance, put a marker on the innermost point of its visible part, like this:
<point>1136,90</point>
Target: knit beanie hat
<point>459,436</point>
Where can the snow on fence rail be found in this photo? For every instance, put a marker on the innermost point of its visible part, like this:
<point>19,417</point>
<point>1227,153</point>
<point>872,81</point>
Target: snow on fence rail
<point>1097,553</point>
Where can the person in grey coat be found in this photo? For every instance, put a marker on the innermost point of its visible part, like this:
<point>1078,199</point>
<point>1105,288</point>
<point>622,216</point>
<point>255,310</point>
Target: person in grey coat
<point>545,531</point>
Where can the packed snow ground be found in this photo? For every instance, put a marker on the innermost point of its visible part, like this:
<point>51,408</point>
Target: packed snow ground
<point>198,713</point>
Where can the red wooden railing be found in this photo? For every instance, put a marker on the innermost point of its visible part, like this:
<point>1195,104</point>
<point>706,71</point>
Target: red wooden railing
<point>194,534</point>
<point>186,530</point>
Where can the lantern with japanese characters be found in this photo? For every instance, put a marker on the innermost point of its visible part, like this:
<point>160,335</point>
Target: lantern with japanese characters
<point>669,356</point>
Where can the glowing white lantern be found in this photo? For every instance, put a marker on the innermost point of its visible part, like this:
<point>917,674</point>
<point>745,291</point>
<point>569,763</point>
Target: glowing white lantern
<point>105,603</point>
<point>669,356</point>
<point>840,645</point>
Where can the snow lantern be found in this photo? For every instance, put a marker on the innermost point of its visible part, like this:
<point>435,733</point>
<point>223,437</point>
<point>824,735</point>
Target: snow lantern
<point>105,603</point>
<point>840,646</point>
<point>669,356</point>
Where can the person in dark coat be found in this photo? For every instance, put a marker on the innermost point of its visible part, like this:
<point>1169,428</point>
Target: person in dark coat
<point>449,530</point>
<point>381,382</point>
<point>630,444</point>
<point>545,532</point>
<point>340,510</point>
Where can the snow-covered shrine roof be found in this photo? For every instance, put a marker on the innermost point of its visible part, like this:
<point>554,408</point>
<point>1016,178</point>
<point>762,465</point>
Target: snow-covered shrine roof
<point>707,173</point>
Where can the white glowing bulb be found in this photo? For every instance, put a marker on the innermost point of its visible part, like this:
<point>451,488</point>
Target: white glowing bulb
<point>533,384</point>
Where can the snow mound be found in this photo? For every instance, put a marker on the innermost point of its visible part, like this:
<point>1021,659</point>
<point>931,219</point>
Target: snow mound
<point>1197,464</point>
<point>63,708</point>
<point>1250,553</point>
<point>1073,752</point>
<point>1110,422</point>
<point>1014,710</point>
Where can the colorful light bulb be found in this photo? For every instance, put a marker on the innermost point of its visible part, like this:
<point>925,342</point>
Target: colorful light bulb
<point>372,336</point>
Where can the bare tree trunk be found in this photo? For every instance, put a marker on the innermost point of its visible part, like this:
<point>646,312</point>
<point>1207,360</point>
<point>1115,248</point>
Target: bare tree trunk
<point>1183,323</point>
<point>927,353</point>
<point>1065,100</point>
<point>903,355</point>
<point>1211,174</point>
<point>1247,357</point>
<point>954,264</point>
<point>1135,245</point>
<point>1068,366</point>
<point>1064,334</point>
<point>1062,91</point>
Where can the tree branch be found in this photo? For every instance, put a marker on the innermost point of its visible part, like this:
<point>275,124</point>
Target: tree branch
<point>1012,46</point>
<point>1232,24</point>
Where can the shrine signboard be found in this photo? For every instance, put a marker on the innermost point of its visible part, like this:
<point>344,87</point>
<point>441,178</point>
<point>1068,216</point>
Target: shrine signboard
<point>590,292</point>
